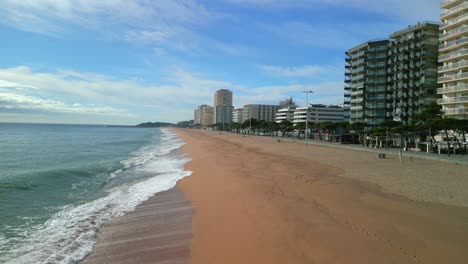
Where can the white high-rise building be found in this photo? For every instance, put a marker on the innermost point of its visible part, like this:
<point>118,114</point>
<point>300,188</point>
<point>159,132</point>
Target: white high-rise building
<point>453,55</point>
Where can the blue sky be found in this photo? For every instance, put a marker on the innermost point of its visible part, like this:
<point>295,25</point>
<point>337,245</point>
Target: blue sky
<point>132,61</point>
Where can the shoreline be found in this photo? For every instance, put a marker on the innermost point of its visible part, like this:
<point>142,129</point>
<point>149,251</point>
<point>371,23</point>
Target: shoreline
<point>158,230</point>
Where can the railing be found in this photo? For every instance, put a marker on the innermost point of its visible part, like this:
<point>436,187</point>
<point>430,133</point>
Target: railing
<point>454,66</point>
<point>456,111</point>
<point>453,77</point>
<point>453,55</point>
<point>453,43</point>
<point>460,99</point>
<point>454,10</point>
<point>453,88</point>
<point>454,21</point>
<point>448,2</point>
<point>454,32</point>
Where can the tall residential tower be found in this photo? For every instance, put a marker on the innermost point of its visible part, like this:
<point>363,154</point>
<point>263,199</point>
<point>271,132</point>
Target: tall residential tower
<point>453,74</point>
<point>223,108</point>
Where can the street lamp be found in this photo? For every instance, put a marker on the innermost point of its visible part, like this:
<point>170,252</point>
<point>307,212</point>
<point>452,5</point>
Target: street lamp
<point>307,116</point>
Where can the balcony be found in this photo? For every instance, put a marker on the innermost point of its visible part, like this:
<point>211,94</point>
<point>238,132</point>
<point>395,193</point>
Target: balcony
<point>456,111</point>
<point>453,66</point>
<point>453,55</point>
<point>453,89</point>
<point>454,11</point>
<point>453,100</point>
<point>357,100</point>
<point>356,108</point>
<point>453,33</point>
<point>450,3</point>
<point>454,21</point>
<point>357,85</point>
<point>453,77</point>
<point>453,43</point>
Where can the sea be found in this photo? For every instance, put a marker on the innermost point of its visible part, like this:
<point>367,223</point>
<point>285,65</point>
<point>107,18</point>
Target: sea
<point>60,183</point>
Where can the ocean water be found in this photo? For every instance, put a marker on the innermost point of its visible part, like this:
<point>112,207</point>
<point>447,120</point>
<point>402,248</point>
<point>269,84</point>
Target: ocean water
<point>60,183</point>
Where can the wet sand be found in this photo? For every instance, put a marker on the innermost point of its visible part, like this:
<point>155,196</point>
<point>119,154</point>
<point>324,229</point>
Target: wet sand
<point>262,201</point>
<point>158,231</point>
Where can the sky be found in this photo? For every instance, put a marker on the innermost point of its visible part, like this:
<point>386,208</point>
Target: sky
<point>124,62</point>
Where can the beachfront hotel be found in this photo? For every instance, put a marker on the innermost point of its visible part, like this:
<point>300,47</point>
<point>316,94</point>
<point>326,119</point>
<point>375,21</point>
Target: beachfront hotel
<point>412,70</point>
<point>318,113</point>
<point>260,112</point>
<point>366,82</point>
<point>223,108</point>
<point>453,50</point>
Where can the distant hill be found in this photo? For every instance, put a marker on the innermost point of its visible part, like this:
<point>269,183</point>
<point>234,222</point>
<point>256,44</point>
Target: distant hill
<point>155,124</point>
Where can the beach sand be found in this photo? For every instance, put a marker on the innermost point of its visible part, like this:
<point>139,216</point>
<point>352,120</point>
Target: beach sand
<point>158,231</point>
<point>262,201</point>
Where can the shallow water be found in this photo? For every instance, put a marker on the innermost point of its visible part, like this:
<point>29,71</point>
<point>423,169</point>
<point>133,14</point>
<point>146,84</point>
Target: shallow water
<point>59,183</point>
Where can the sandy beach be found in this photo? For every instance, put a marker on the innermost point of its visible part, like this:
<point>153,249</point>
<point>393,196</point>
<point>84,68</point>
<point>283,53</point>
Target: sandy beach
<point>257,200</point>
<point>262,201</point>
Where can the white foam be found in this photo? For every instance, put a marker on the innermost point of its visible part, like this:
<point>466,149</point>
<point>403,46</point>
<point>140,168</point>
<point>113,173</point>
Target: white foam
<point>71,234</point>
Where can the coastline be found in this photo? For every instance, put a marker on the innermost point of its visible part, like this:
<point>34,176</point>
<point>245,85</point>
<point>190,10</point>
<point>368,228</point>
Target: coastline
<point>260,201</point>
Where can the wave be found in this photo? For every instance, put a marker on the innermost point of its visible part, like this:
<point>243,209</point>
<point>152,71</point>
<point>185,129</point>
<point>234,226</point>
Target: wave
<point>70,235</point>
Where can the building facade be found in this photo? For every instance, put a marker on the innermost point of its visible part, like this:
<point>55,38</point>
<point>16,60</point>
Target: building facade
<point>366,82</point>
<point>260,112</point>
<point>238,116</point>
<point>207,116</point>
<point>285,114</point>
<point>412,71</point>
<point>223,108</point>
<point>196,118</point>
<point>453,55</point>
<point>318,113</point>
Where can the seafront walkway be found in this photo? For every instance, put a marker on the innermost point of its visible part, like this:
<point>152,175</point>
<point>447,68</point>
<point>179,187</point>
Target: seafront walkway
<point>453,158</point>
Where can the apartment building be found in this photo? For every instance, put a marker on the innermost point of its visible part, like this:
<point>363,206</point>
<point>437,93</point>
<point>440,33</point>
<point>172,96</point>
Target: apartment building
<point>223,108</point>
<point>204,115</point>
<point>238,116</point>
<point>196,118</point>
<point>318,113</point>
<point>260,112</point>
<point>366,82</point>
<point>285,114</point>
<point>412,71</point>
<point>453,55</point>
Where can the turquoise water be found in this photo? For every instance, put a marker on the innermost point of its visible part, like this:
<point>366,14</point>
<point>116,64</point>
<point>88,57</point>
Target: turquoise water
<point>59,183</point>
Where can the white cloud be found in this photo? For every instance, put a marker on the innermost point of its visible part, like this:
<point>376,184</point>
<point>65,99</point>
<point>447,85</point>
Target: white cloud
<point>22,103</point>
<point>303,71</point>
<point>172,100</point>
<point>399,9</point>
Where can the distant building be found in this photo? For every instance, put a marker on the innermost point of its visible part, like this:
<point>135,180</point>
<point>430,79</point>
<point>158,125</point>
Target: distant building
<point>207,115</point>
<point>238,116</point>
<point>287,103</point>
<point>223,108</point>
<point>318,113</point>
<point>196,119</point>
<point>285,114</point>
<point>260,112</point>
<point>453,72</point>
